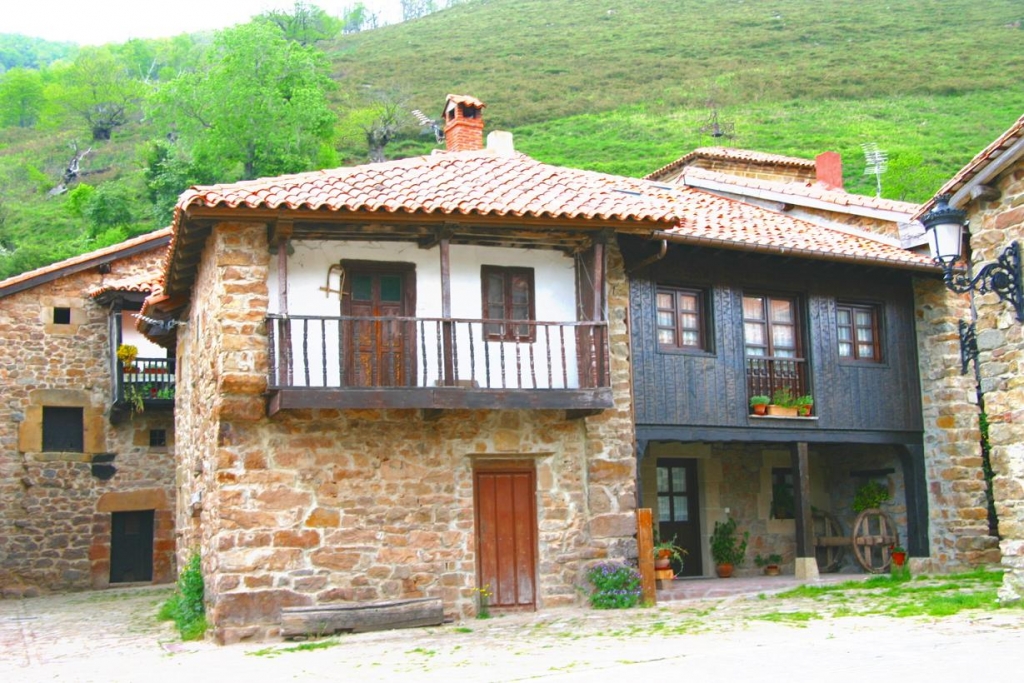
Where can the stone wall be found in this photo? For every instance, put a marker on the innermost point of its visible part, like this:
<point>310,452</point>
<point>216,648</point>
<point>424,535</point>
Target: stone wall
<point>958,532</point>
<point>54,512</point>
<point>994,225</point>
<point>319,506</point>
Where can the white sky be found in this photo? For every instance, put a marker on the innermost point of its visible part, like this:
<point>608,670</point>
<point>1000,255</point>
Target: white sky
<point>94,22</point>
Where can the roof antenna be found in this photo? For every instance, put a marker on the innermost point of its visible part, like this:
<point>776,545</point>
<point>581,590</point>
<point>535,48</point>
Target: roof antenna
<point>430,123</point>
<point>715,128</point>
<point>876,162</point>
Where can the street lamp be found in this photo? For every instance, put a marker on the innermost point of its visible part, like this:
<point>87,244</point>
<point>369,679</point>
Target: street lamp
<point>945,226</point>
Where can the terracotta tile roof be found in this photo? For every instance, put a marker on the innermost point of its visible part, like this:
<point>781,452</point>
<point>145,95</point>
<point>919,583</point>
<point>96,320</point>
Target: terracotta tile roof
<point>1012,136</point>
<point>481,183</point>
<point>467,100</point>
<point>114,252</point>
<point>712,220</point>
<point>478,183</point>
<point>730,154</point>
<point>149,282</point>
<point>812,190</point>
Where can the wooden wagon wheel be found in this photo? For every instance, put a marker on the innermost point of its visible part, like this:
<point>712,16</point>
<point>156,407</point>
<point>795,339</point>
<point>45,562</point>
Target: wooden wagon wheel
<point>873,533</point>
<point>829,541</point>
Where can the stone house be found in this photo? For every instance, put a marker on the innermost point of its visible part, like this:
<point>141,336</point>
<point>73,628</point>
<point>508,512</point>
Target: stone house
<point>86,486</point>
<point>991,190</point>
<point>417,377</point>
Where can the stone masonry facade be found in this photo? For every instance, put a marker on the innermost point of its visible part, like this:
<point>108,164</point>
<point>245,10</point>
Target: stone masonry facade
<point>994,225</point>
<point>55,513</point>
<point>319,506</point>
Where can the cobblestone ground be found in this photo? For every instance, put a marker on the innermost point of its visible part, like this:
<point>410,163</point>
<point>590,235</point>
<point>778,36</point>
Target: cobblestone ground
<point>112,636</point>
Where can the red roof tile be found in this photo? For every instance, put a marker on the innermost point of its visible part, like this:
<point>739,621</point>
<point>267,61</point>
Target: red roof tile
<point>75,263</point>
<point>731,154</point>
<point>149,282</point>
<point>813,190</point>
<point>481,183</point>
<point>978,163</point>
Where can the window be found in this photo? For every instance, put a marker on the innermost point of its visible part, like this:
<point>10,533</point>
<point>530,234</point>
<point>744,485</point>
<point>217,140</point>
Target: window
<point>508,295</point>
<point>63,430</point>
<point>681,320</point>
<point>61,315</point>
<point>770,327</point>
<point>857,326</point>
<point>783,498</point>
<point>157,438</point>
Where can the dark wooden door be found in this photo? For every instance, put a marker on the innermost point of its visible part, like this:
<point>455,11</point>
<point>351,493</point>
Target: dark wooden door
<point>506,535</point>
<point>678,510</point>
<point>382,351</point>
<point>131,546</point>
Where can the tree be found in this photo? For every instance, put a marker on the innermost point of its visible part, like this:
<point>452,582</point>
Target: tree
<point>100,89</point>
<point>21,97</point>
<point>358,17</point>
<point>257,106</point>
<point>414,9</point>
<point>305,24</point>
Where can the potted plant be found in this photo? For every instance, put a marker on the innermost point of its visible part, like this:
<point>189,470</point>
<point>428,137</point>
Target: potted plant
<point>127,353</point>
<point>870,496</point>
<point>898,555</point>
<point>783,403</point>
<point>769,564</point>
<point>727,547</point>
<point>759,404</point>
<point>804,405</point>
<point>665,552</point>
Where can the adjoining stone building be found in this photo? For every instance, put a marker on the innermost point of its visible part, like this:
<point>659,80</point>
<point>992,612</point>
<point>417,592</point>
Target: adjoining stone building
<point>991,190</point>
<point>86,488</point>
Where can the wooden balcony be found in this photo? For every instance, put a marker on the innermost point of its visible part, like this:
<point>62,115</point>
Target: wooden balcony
<point>147,385</point>
<point>768,374</point>
<point>437,363</point>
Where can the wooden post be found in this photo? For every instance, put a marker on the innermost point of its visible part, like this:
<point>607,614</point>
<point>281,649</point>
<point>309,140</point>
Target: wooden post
<point>285,367</point>
<point>806,564</point>
<point>446,312</point>
<point>645,555</point>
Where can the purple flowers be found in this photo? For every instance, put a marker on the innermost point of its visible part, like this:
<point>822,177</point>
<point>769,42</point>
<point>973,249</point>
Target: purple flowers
<point>616,586</point>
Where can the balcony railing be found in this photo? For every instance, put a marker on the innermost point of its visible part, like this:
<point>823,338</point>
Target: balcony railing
<point>768,374</point>
<point>151,379</point>
<point>364,361</point>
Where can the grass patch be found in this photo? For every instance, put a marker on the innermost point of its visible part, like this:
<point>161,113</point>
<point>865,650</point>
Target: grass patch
<point>186,607</point>
<point>301,647</point>
<point>800,618</point>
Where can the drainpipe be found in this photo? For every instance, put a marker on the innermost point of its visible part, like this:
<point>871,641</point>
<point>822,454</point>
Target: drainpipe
<point>650,259</point>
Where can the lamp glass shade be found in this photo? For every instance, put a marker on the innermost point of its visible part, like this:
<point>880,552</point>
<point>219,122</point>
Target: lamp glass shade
<point>946,241</point>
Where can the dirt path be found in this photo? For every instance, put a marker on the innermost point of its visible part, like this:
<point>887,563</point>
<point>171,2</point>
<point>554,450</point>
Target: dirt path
<point>112,636</point>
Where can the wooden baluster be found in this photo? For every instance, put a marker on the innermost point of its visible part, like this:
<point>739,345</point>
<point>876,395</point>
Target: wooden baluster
<point>533,367</point>
<point>547,353</point>
<point>323,349</point>
<point>565,370</point>
<point>487,356</point>
<point>472,356</point>
<point>305,351</point>
<point>423,350</point>
<point>271,324</point>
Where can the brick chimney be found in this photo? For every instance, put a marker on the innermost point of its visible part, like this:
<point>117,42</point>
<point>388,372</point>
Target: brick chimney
<point>828,168</point>
<point>463,123</point>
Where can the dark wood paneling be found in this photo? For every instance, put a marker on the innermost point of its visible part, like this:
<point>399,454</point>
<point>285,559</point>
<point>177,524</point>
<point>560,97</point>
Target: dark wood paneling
<point>709,389</point>
<point>441,398</point>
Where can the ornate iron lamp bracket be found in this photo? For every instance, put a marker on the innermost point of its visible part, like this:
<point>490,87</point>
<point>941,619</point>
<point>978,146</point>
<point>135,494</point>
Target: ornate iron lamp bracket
<point>1002,277</point>
<point>968,346</point>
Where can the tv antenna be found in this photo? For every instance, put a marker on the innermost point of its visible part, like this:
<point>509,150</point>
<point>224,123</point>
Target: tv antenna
<point>427,122</point>
<point>715,128</point>
<point>876,162</point>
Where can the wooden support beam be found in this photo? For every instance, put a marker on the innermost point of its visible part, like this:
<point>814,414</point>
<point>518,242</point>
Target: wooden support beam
<point>645,555</point>
<point>802,501</point>
<point>446,311</point>
<point>282,303</point>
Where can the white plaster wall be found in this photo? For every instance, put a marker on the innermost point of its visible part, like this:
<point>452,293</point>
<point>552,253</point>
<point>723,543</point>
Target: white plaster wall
<point>555,301</point>
<point>130,335</point>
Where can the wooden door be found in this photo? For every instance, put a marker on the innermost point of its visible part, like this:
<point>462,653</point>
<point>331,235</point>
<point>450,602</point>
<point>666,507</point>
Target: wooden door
<point>506,534</point>
<point>381,352</point>
<point>678,509</point>
<point>131,546</point>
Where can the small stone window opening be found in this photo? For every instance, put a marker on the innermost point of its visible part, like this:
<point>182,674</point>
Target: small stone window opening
<point>63,430</point>
<point>61,315</point>
<point>783,499</point>
<point>157,438</point>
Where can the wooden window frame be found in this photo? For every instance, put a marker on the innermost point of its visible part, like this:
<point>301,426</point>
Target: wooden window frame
<point>876,331</point>
<point>507,332</point>
<point>703,320</point>
<point>769,345</point>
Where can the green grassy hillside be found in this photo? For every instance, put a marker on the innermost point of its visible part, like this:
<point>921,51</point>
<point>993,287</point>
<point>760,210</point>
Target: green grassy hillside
<point>623,87</point>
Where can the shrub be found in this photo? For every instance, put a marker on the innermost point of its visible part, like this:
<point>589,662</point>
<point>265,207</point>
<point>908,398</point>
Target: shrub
<point>186,606</point>
<point>616,586</point>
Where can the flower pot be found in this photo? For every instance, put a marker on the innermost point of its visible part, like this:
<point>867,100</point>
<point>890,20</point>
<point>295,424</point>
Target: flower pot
<point>772,570</point>
<point>760,408</point>
<point>663,563</point>
<point>899,559</point>
<point>724,570</point>
<point>803,411</point>
<point>781,411</point>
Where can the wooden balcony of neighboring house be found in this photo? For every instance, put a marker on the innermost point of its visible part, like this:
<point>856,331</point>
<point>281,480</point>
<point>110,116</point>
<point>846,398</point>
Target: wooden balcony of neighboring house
<point>437,363</point>
<point>148,384</point>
